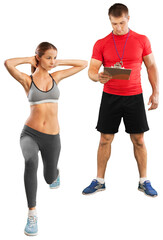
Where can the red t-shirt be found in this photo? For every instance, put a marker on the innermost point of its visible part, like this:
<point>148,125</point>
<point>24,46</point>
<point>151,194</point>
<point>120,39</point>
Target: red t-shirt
<point>137,47</point>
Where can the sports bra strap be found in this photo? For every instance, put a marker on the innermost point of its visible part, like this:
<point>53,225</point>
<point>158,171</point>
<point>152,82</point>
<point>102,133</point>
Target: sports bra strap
<point>31,78</point>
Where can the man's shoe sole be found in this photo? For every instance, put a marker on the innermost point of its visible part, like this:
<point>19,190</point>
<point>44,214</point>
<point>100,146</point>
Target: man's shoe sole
<point>99,190</point>
<point>141,190</point>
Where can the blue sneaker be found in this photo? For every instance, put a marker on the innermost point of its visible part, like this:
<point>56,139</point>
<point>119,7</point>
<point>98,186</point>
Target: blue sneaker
<point>56,183</point>
<point>31,228</point>
<point>94,187</point>
<point>147,189</point>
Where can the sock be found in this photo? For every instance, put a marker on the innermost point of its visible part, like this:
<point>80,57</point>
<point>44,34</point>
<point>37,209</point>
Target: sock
<point>100,180</point>
<point>32,213</point>
<point>142,180</point>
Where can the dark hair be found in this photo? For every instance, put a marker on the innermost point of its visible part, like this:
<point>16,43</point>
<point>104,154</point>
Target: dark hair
<point>117,10</point>
<point>41,49</point>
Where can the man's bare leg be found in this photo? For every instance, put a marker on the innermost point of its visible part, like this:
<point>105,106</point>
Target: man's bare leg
<point>140,153</point>
<point>104,152</point>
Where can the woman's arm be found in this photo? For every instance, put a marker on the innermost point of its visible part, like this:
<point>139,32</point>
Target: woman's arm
<point>21,77</point>
<point>78,65</point>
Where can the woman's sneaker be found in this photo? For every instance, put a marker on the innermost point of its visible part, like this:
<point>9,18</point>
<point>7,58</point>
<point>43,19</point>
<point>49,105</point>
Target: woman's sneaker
<point>56,183</point>
<point>31,228</point>
<point>95,186</point>
<point>147,189</point>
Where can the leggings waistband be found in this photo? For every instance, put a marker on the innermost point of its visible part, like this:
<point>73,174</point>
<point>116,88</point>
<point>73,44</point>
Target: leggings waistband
<point>30,130</point>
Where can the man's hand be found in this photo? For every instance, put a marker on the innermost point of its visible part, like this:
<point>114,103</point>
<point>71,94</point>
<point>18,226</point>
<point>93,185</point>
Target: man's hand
<point>104,78</point>
<point>153,101</point>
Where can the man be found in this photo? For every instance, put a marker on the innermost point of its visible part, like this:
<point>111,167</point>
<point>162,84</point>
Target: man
<point>123,98</point>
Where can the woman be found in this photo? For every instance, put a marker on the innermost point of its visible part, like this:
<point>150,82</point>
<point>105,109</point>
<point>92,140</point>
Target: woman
<point>41,130</point>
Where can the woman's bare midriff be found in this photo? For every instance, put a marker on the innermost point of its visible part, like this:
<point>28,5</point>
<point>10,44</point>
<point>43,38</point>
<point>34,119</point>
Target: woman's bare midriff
<point>44,118</point>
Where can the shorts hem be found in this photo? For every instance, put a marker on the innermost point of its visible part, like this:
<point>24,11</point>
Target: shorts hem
<point>137,132</point>
<point>106,132</point>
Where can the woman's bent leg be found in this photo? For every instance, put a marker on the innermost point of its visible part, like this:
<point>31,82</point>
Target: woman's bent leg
<point>50,155</point>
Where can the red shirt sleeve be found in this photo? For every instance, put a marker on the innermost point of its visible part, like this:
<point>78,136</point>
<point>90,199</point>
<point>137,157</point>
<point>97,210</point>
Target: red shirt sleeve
<point>97,51</point>
<point>147,47</point>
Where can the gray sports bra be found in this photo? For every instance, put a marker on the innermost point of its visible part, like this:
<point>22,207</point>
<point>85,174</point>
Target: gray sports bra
<point>37,96</point>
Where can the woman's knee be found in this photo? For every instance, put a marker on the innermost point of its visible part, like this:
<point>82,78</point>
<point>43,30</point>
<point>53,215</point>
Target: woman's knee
<point>31,163</point>
<point>50,173</point>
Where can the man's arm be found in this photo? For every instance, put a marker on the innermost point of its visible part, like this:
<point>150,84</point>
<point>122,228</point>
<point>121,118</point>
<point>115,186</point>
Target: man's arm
<point>154,80</point>
<point>94,74</point>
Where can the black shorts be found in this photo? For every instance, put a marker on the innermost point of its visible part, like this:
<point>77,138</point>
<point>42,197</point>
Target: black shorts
<point>130,108</point>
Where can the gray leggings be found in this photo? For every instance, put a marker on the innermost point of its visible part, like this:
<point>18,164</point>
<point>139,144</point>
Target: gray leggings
<point>31,142</point>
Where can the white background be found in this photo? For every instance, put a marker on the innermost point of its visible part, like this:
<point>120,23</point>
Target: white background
<point>120,212</point>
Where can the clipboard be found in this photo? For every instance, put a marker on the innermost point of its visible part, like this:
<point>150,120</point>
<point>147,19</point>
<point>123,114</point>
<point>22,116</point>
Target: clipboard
<point>118,73</point>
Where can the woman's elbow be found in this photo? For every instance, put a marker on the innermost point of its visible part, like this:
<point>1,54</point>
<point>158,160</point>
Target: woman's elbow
<point>6,63</point>
<point>85,64</point>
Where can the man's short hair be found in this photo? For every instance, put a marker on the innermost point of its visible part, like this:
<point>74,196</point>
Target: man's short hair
<point>117,10</point>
